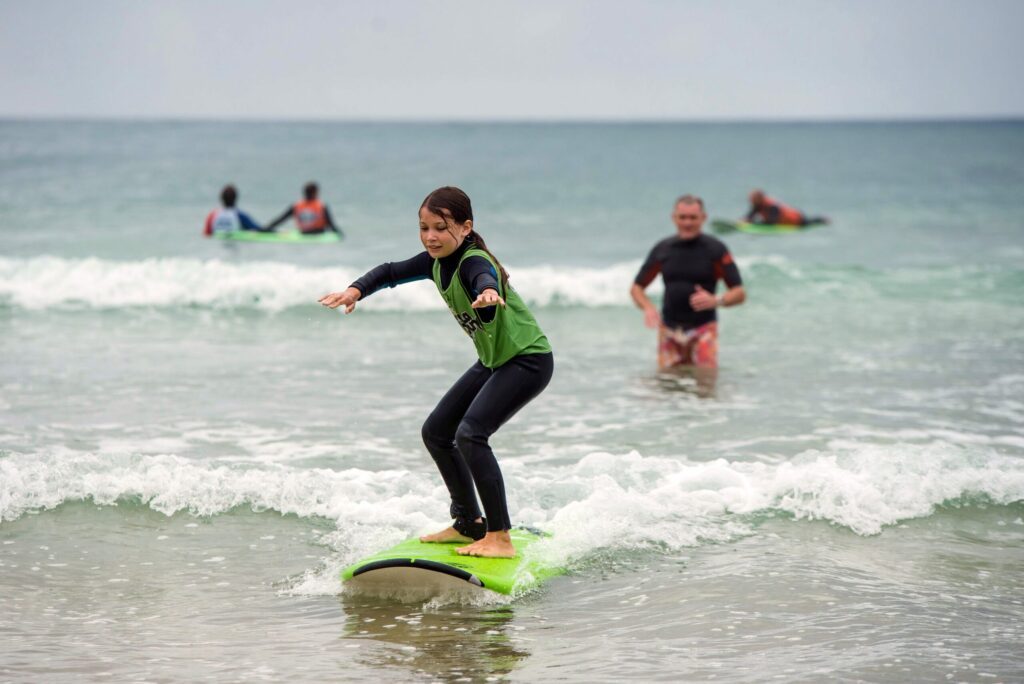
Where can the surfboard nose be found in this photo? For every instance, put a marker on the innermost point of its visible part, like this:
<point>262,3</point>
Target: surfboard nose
<point>418,564</point>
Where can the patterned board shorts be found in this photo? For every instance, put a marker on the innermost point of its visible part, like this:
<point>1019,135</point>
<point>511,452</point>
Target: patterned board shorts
<point>697,347</point>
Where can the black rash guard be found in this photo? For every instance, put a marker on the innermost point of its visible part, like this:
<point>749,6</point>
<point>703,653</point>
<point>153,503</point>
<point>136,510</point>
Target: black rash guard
<point>476,273</point>
<point>684,264</point>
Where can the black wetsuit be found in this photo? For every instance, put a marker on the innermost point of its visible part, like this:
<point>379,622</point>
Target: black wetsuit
<point>457,431</point>
<point>684,264</point>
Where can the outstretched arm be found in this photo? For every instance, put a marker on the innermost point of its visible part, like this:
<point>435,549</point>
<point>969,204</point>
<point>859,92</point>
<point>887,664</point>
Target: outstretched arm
<point>249,224</point>
<point>281,219</point>
<point>348,298</point>
<point>330,222</point>
<point>389,274</point>
<point>487,299</point>
<point>394,273</point>
<point>482,281</point>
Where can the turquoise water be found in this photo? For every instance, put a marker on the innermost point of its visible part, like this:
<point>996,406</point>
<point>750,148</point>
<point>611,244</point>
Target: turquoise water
<point>191,449</point>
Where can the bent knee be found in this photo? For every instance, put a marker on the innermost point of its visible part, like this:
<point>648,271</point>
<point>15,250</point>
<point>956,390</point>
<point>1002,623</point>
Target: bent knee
<point>469,433</point>
<point>434,437</point>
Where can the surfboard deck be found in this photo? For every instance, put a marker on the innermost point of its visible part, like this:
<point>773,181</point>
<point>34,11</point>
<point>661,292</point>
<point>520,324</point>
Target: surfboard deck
<point>437,568</point>
<point>724,226</point>
<point>290,236</point>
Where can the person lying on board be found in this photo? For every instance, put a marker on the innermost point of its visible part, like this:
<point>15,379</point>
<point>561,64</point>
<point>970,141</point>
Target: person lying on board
<point>767,211</point>
<point>515,365</point>
<point>229,218</point>
<point>311,215</point>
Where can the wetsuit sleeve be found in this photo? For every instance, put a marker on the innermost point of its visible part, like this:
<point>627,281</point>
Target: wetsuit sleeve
<point>393,273</point>
<point>650,269</point>
<point>247,222</point>
<point>282,218</point>
<point>771,214</point>
<point>478,274</point>
<point>751,215</point>
<point>726,269</point>
<point>330,221</point>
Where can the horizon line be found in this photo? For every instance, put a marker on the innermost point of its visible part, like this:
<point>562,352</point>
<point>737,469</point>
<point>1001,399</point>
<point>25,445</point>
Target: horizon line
<point>128,118</point>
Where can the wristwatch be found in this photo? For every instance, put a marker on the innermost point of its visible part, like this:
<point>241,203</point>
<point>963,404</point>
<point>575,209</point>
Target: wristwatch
<point>720,300</point>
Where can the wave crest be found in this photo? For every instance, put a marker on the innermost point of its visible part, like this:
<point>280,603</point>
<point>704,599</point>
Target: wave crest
<point>597,502</point>
<point>52,282</point>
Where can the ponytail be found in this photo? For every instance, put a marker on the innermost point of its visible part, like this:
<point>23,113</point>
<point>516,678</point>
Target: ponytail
<point>482,246</point>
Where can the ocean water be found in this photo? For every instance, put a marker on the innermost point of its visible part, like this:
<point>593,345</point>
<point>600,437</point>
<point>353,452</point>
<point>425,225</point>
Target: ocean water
<point>191,448</point>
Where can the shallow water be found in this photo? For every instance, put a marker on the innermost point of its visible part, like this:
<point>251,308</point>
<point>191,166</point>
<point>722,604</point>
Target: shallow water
<point>191,449</point>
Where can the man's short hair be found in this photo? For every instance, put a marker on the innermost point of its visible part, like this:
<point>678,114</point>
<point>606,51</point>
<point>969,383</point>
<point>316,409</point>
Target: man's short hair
<point>689,199</point>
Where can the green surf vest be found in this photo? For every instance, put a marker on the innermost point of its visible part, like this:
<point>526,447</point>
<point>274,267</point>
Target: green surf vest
<point>513,330</point>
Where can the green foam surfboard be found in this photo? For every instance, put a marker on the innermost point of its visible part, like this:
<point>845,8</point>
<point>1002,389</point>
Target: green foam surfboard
<point>437,568</point>
<point>723,226</point>
<point>290,236</point>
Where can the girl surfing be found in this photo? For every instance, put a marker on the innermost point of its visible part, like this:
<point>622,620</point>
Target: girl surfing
<point>515,365</point>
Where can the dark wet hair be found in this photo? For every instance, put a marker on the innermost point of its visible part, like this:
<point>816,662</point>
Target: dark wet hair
<point>451,202</point>
<point>228,196</point>
<point>310,190</point>
<point>689,199</point>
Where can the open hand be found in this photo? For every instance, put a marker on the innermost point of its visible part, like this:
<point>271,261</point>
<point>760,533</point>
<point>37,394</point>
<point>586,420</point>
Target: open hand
<point>348,298</point>
<point>488,297</point>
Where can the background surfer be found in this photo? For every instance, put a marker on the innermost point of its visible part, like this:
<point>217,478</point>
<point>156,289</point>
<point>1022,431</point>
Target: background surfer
<point>229,218</point>
<point>515,365</point>
<point>765,210</point>
<point>311,215</point>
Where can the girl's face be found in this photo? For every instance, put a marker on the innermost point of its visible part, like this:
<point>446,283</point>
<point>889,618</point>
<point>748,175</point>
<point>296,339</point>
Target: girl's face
<point>440,235</point>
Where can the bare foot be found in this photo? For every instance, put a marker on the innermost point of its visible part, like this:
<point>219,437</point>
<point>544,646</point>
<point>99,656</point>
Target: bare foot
<point>493,545</point>
<point>446,536</point>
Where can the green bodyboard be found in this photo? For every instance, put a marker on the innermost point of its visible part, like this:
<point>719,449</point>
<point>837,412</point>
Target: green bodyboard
<point>413,565</point>
<point>290,236</point>
<point>723,226</point>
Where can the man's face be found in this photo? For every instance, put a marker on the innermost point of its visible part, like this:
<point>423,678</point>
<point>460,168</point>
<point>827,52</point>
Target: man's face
<point>688,219</point>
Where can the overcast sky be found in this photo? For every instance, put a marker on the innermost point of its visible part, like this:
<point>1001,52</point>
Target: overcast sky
<point>513,59</point>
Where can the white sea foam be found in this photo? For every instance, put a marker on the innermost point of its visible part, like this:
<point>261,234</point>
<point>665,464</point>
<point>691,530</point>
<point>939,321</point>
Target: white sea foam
<point>52,282</point>
<point>603,500</point>
<point>92,283</point>
<point>46,282</point>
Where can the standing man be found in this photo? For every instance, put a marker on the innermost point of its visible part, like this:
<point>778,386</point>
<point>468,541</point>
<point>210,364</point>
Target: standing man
<point>691,264</point>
